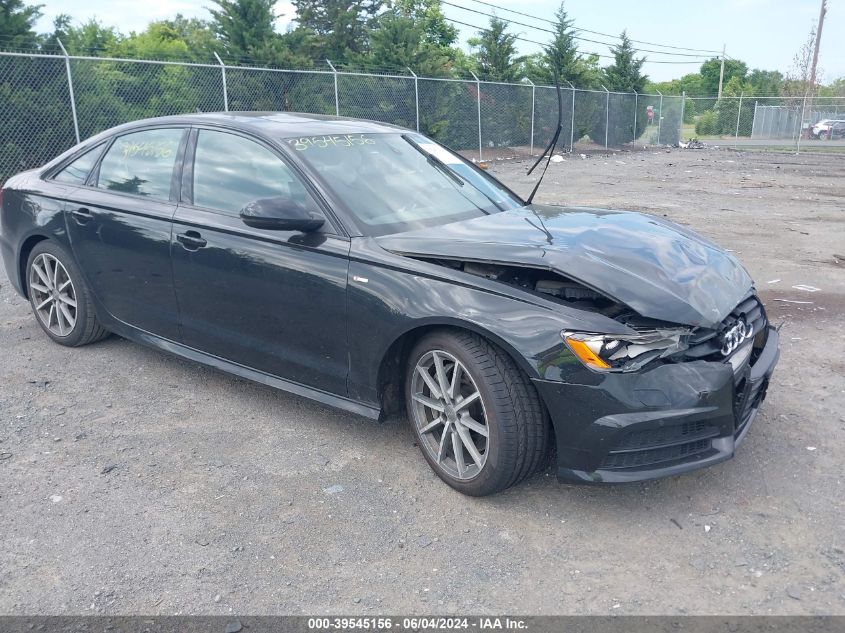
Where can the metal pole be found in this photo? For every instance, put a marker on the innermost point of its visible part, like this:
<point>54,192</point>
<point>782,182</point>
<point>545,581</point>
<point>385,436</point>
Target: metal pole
<point>755,131</point>
<point>225,89</point>
<point>70,90</point>
<point>416,96</point>
<point>738,112</point>
<point>606,115</point>
<point>336,99</point>
<point>478,91</point>
<point>572,120</point>
<point>683,108</point>
<point>801,124</point>
<point>533,90</point>
<point>659,116</point>
<point>721,73</point>
<point>636,105</point>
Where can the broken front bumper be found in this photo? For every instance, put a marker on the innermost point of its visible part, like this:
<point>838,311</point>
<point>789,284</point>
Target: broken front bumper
<point>664,421</point>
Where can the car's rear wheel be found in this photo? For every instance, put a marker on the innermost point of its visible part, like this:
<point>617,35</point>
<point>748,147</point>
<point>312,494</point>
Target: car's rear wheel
<point>477,417</point>
<point>59,297</point>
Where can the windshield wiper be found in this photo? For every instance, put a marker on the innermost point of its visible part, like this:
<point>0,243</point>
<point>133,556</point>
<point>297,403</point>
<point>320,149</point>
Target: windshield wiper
<point>451,173</point>
<point>434,161</point>
<point>550,149</point>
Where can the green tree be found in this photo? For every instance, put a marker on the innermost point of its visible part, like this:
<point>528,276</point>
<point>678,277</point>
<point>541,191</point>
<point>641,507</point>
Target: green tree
<point>340,27</point>
<point>89,38</point>
<point>16,23</point>
<point>244,27</point>
<point>495,52</point>
<point>710,74</point>
<point>764,83</point>
<point>561,56</point>
<point>625,73</point>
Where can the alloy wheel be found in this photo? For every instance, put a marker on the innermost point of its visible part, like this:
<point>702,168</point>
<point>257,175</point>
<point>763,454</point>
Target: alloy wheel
<point>53,294</point>
<point>449,415</point>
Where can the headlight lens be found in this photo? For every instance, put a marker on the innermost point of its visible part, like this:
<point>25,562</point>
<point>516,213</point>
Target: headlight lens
<point>603,352</point>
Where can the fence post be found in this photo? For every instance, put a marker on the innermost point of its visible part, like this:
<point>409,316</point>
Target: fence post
<point>70,90</point>
<point>659,116</point>
<point>225,89</point>
<point>478,93</point>
<point>533,90</point>
<point>572,120</point>
<point>801,124</point>
<point>416,96</point>
<point>336,99</point>
<point>683,108</point>
<point>636,106</point>
<point>738,112</point>
<point>606,115</point>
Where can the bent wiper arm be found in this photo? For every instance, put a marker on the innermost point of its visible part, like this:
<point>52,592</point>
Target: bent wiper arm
<point>434,161</point>
<point>550,149</point>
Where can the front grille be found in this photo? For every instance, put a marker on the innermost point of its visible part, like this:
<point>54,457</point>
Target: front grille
<point>639,459</point>
<point>705,344</point>
<point>746,399</point>
<point>648,447</point>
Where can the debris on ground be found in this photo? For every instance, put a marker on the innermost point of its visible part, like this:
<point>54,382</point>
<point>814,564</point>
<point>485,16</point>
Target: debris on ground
<point>692,143</point>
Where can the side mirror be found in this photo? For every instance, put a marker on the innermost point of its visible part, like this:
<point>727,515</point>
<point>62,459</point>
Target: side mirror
<point>280,214</point>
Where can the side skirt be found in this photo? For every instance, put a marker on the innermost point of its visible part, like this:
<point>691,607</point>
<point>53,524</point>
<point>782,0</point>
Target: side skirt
<point>242,371</point>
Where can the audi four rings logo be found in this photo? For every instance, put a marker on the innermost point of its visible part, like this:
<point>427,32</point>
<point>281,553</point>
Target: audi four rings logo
<point>735,335</point>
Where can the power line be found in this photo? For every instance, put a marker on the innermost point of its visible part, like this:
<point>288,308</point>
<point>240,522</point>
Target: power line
<point>536,17</point>
<point>523,39</point>
<point>583,39</point>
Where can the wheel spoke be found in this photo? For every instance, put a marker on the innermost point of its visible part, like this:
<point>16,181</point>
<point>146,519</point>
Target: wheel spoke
<point>55,272</point>
<point>470,445</point>
<point>67,315</point>
<point>43,275</point>
<point>431,403</point>
<point>64,285</point>
<point>459,454</point>
<point>465,402</point>
<point>432,425</point>
<point>50,314</point>
<point>67,300</point>
<point>442,381</point>
<point>455,386</point>
<point>474,425</point>
<point>441,451</point>
<point>432,385</point>
<point>44,303</point>
<point>59,319</point>
<point>39,287</point>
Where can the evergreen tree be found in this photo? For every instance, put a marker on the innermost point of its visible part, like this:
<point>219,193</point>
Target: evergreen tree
<point>561,55</point>
<point>495,52</point>
<point>16,24</point>
<point>340,27</point>
<point>244,27</point>
<point>625,73</point>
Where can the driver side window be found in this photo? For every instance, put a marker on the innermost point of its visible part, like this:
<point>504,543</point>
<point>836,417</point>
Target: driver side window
<point>231,171</point>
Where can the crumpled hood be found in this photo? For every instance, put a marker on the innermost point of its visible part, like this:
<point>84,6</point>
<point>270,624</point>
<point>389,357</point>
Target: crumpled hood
<point>660,269</point>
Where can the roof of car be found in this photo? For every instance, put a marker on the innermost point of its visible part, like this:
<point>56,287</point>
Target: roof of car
<point>278,124</point>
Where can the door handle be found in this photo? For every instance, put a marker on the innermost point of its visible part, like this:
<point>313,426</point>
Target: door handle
<point>191,240</point>
<point>82,215</point>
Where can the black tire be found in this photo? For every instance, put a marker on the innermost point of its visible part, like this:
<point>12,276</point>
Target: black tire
<point>518,427</point>
<point>87,328</point>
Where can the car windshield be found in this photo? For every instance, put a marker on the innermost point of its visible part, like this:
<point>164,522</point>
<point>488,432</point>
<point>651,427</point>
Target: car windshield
<point>400,182</point>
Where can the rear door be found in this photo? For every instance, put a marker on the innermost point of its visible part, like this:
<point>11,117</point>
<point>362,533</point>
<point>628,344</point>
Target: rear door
<point>119,225</point>
<point>271,300</point>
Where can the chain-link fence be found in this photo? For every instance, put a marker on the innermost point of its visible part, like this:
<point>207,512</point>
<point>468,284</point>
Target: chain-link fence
<point>50,102</point>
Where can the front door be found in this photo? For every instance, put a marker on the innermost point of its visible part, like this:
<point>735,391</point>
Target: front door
<point>270,300</point>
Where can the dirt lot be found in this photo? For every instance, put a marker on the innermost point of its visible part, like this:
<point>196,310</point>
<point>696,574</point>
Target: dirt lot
<point>134,482</point>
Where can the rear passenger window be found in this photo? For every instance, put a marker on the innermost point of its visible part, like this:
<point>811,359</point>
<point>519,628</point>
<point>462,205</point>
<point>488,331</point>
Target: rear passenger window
<point>76,173</point>
<point>141,163</point>
<point>231,171</point>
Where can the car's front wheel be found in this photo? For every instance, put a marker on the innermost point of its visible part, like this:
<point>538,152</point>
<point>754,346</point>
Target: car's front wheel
<point>477,417</point>
<point>59,297</point>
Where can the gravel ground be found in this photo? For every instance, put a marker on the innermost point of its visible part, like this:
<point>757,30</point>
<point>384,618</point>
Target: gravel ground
<point>135,482</point>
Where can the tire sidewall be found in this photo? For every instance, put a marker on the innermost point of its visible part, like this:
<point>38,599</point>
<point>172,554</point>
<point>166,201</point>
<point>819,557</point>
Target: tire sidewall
<point>492,476</point>
<point>82,303</point>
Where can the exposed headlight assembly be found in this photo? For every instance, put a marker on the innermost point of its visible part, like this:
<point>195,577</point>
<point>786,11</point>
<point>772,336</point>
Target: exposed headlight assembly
<point>603,352</point>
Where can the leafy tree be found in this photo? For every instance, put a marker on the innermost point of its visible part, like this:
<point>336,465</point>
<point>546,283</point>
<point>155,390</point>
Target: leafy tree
<point>16,23</point>
<point>89,38</point>
<point>625,73</point>
<point>340,27</point>
<point>495,52</point>
<point>763,83</point>
<point>710,74</point>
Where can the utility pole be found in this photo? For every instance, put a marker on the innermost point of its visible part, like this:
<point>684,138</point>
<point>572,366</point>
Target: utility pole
<point>816,47</point>
<point>722,72</point>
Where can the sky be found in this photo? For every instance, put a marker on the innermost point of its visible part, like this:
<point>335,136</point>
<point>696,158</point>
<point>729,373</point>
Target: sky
<point>763,33</point>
